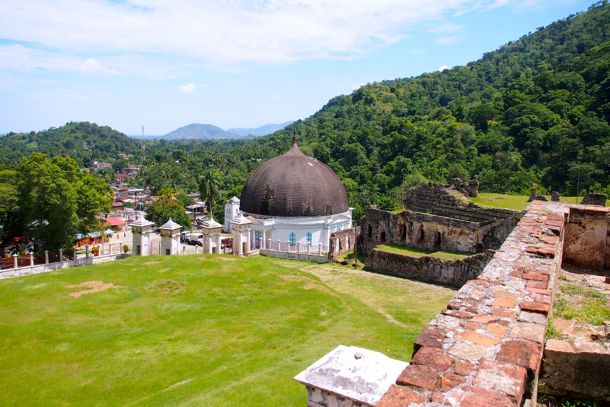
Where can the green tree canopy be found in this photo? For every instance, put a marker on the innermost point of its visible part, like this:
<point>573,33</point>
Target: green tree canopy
<point>56,199</point>
<point>168,206</point>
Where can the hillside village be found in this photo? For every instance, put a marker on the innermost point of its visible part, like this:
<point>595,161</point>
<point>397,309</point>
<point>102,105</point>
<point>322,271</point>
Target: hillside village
<point>439,240</point>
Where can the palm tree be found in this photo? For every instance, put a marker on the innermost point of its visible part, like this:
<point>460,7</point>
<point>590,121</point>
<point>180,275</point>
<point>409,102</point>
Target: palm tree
<point>209,187</point>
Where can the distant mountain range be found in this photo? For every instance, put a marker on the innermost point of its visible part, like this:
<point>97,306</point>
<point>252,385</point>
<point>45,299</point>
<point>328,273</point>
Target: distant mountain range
<point>198,131</point>
<point>259,131</point>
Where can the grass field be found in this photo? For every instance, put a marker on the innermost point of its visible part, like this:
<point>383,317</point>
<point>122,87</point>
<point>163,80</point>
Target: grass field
<point>195,330</point>
<point>415,252</point>
<point>515,202</point>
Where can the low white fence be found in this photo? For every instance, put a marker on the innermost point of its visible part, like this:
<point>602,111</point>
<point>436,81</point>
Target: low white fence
<point>318,258</point>
<point>44,268</point>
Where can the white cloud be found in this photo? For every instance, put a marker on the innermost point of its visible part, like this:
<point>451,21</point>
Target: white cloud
<point>445,28</point>
<point>442,68</point>
<point>130,37</point>
<point>448,40</point>
<point>93,65</point>
<point>187,88</point>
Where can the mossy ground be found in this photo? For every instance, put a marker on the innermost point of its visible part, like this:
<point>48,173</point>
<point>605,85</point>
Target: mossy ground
<point>196,330</point>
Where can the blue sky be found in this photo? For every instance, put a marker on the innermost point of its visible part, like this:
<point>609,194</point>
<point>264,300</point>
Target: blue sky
<point>233,63</point>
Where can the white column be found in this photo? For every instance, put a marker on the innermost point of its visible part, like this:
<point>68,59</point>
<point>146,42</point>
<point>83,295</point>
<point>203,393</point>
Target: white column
<point>209,243</point>
<point>15,260</point>
<point>61,255</point>
<point>46,257</point>
<point>248,242</point>
<point>218,243</point>
<point>87,251</point>
<point>238,244</point>
<point>319,249</point>
<point>31,259</point>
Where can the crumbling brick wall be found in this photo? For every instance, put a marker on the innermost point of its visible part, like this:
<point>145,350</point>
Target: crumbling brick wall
<point>342,242</point>
<point>429,269</point>
<point>433,232</point>
<point>438,220</point>
<point>587,242</point>
<point>485,349</point>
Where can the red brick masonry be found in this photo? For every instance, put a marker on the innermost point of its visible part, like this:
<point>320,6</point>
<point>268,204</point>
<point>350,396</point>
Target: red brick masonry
<point>486,347</point>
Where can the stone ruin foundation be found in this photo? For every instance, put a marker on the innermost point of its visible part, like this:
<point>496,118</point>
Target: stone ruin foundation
<point>436,219</point>
<point>486,348</point>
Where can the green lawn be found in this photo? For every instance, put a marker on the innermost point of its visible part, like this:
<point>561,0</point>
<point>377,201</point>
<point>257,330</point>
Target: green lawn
<point>196,330</point>
<point>515,202</point>
<point>415,252</point>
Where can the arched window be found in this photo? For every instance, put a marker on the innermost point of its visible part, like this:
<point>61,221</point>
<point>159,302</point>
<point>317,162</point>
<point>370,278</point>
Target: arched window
<point>293,239</point>
<point>309,238</point>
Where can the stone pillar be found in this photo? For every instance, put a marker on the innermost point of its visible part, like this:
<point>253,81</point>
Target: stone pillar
<point>236,243</point>
<point>46,257</point>
<point>298,247</point>
<point>141,230</point>
<point>211,235</point>
<point>555,196</point>
<point>279,245</point>
<point>87,251</point>
<point>15,260</point>
<point>61,255</point>
<point>319,249</point>
<point>240,227</point>
<point>208,244</point>
<point>248,242</point>
<point>31,259</point>
<point>218,244</point>
<point>170,238</point>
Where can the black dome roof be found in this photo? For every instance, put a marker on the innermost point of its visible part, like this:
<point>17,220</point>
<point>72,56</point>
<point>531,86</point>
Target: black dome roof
<point>293,185</point>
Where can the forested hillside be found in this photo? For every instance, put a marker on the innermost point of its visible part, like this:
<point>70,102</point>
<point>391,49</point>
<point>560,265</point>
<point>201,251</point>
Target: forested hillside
<point>534,111</point>
<point>84,142</point>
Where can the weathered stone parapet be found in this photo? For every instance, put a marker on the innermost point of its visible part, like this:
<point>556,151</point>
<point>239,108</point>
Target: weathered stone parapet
<point>587,242</point>
<point>429,269</point>
<point>486,347</point>
<point>595,199</point>
<point>577,368</point>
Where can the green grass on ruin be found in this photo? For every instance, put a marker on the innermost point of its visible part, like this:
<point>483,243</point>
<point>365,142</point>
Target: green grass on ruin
<point>514,202</point>
<point>415,252</point>
<point>196,330</point>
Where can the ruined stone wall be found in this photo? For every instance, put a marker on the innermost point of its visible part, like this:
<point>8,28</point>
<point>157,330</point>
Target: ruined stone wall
<point>587,242</point>
<point>429,269</point>
<point>577,368</point>
<point>485,349</point>
<point>432,232</point>
<point>342,242</point>
<point>438,200</point>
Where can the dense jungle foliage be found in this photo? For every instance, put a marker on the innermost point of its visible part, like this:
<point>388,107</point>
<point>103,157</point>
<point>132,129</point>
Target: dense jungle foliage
<point>535,111</point>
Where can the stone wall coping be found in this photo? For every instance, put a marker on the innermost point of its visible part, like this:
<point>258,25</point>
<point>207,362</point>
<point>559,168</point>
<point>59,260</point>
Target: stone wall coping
<point>359,374</point>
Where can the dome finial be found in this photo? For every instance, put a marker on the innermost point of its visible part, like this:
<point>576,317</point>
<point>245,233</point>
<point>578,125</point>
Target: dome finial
<point>294,137</point>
